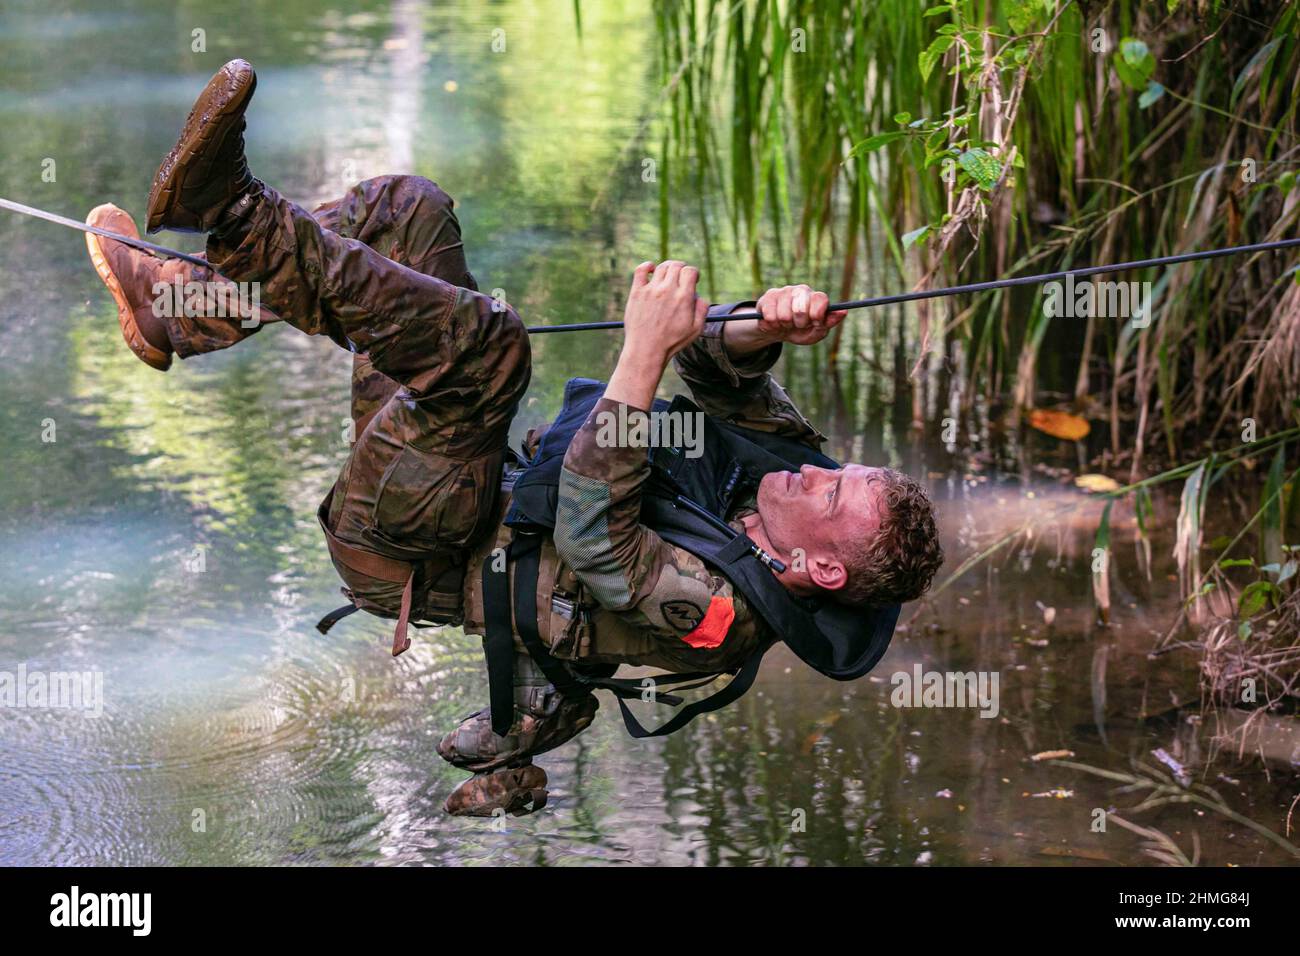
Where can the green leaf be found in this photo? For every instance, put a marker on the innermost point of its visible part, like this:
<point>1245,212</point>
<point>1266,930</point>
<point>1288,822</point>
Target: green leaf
<point>1255,598</point>
<point>981,167</point>
<point>1257,63</point>
<point>1196,195</point>
<point>1024,15</point>
<point>902,119</point>
<point>1237,563</point>
<point>909,238</point>
<point>1244,630</point>
<point>1152,93</point>
<point>873,143</point>
<point>1134,63</point>
<point>932,54</point>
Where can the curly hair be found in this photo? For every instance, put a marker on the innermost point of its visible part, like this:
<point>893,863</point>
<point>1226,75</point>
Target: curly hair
<point>898,563</point>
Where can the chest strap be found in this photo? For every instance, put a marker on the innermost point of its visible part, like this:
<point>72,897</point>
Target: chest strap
<point>498,647</point>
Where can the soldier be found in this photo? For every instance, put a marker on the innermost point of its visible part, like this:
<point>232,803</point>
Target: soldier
<point>414,521</point>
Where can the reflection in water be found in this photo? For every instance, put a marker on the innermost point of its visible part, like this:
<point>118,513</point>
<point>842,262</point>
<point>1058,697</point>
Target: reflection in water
<point>166,536</point>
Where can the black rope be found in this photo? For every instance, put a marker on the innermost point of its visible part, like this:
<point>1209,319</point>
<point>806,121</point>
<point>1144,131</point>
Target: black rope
<point>740,316</point>
<point>85,227</point>
<point>976,286</point>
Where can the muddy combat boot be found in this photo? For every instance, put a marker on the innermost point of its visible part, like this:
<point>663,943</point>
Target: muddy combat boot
<point>515,790</point>
<point>206,170</point>
<point>473,745</point>
<point>130,275</point>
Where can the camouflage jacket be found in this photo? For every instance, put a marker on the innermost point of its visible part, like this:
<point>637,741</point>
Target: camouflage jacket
<point>635,598</point>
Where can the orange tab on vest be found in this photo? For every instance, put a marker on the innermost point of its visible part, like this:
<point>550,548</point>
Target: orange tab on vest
<point>712,631</point>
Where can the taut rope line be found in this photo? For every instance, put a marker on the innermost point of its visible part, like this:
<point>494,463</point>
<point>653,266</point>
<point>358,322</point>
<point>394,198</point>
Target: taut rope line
<point>739,316</point>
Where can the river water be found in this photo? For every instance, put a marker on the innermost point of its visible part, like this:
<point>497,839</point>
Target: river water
<point>165,538</point>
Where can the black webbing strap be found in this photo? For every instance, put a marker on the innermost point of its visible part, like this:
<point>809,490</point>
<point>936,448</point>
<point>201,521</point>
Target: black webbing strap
<point>633,688</point>
<point>499,644</point>
<point>743,680</point>
<point>526,551</point>
<point>334,616</point>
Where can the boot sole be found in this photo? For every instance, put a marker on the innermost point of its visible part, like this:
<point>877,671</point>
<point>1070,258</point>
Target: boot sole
<point>135,340</point>
<point>197,135</point>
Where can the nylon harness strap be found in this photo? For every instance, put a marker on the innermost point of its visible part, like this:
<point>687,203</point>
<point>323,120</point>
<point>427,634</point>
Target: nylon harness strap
<point>334,616</point>
<point>376,566</point>
<point>498,639</point>
<point>498,646</point>
<point>526,549</point>
<point>741,682</point>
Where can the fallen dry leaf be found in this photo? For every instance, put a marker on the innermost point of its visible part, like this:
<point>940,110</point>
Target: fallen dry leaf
<point>1059,424</point>
<point>1096,483</point>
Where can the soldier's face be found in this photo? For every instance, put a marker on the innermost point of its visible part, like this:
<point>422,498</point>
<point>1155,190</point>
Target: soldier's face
<point>813,508</point>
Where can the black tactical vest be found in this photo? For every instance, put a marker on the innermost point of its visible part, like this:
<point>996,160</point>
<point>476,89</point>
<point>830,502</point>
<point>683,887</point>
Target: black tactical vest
<point>840,642</point>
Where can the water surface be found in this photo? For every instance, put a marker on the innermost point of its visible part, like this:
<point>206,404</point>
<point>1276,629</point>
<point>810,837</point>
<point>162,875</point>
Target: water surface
<point>233,733</point>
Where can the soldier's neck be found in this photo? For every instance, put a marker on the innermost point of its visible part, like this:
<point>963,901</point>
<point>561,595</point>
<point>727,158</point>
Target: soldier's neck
<point>795,581</point>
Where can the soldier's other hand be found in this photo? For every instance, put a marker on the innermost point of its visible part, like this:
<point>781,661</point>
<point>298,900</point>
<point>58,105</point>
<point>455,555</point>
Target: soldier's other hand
<point>796,314</point>
<point>663,314</point>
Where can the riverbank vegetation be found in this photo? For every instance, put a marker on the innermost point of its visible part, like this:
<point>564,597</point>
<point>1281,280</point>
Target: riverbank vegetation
<point>890,146</point>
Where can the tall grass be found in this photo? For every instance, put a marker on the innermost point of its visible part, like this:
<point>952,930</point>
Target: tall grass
<point>893,145</point>
<point>877,145</point>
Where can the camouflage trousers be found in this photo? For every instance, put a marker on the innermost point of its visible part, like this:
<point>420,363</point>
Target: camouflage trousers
<point>438,372</point>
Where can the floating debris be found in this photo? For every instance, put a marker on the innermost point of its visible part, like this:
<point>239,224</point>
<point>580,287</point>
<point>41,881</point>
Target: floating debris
<point>1179,771</point>
<point>1076,853</point>
<point>1096,484</point>
<point>1049,613</point>
<point>1051,755</point>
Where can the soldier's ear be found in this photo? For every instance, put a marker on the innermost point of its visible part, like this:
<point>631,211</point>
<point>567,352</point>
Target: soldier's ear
<point>827,573</point>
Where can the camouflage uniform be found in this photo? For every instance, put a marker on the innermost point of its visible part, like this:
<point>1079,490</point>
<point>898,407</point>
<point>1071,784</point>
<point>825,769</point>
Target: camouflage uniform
<point>439,371</point>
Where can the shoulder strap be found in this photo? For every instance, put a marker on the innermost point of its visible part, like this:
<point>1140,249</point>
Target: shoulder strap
<point>526,550</point>
<point>498,644</point>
